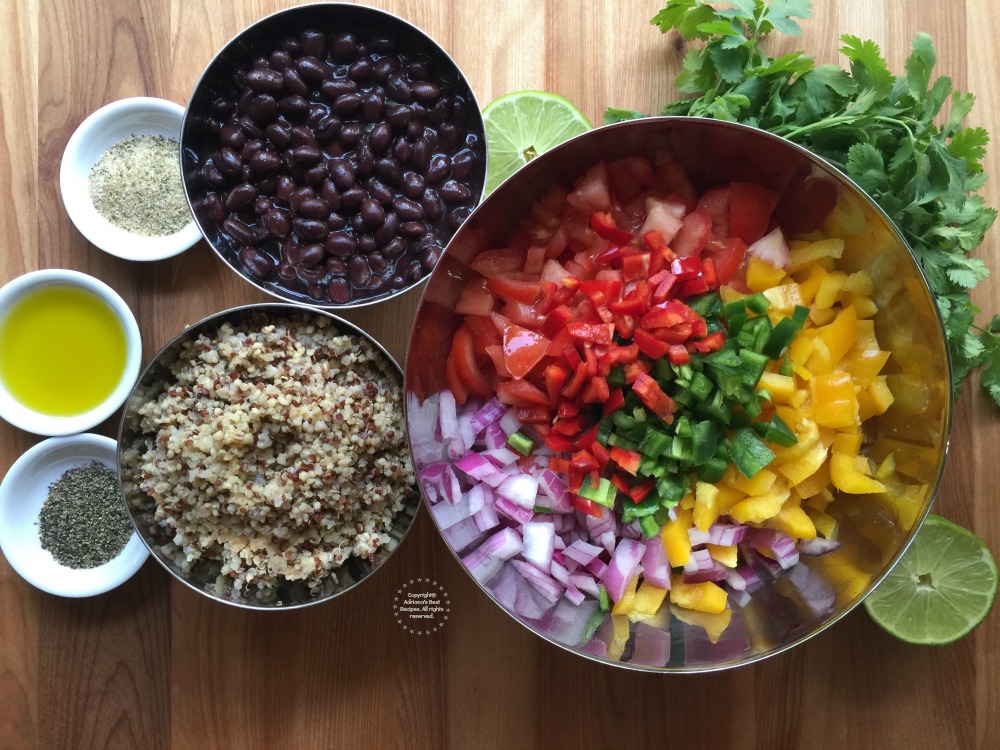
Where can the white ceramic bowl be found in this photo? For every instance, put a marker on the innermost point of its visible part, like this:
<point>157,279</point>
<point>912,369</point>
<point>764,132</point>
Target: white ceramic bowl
<point>28,419</point>
<point>22,495</point>
<point>99,132</point>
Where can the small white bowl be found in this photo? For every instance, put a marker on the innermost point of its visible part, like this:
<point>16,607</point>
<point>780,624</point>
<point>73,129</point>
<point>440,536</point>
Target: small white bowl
<point>22,494</point>
<point>99,132</point>
<point>30,420</point>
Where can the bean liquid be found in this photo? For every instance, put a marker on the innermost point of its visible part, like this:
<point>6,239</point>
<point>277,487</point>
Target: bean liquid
<point>62,351</point>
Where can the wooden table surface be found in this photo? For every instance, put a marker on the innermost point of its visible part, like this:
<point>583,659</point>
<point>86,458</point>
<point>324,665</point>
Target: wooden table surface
<point>153,665</point>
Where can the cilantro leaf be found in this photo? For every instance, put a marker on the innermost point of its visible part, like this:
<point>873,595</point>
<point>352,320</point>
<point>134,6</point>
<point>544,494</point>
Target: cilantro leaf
<point>613,115</point>
<point>685,16</point>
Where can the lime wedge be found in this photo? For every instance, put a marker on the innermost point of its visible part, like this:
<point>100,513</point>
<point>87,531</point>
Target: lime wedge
<point>524,124</point>
<point>941,589</point>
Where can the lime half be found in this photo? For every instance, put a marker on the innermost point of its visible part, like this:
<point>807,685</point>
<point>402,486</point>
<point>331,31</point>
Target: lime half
<point>941,589</point>
<point>524,124</point>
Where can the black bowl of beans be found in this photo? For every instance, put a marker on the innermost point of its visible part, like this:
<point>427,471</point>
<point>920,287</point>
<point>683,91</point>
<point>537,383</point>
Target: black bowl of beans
<point>330,151</point>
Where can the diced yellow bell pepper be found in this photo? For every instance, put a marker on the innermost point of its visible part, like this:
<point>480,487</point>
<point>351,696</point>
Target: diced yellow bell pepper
<point>847,442</point>
<point>648,599</point>
<point>840,334</point>
<point>815,483</point>
<point>727,555</point>
<point>793,521</point>
<point>805,437</point>
<point>819,361</point>
<point>713,623</point>
<point>865,365</point>
<point>859,283</point>
<point>826,525</point>
<point>805,466</point>
<point>846,477</point>
<point>783,298</point>
<point>758,508</point>
<point>834,401</point>
<point>800,350</point>
<point>863,305</point>
<point>762,275</point>
<point>881,396</point>
<point>802,257</point>
<point>761,482</point>
<point>706,505</point>
<point>624,605</point>
<point>728,497</point>
<point>702,597</point>
<point>781,387</point>
<point>619,638</point>
<point>728,294</point>
<point>809,283</point>
<point>887,468</point>
<point>676,542</point>
<point>828,290</point>
<point>687,502</point>
<point>866,406</point>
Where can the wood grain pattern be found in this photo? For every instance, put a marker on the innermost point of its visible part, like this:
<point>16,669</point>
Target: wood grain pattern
<point>153,665</point>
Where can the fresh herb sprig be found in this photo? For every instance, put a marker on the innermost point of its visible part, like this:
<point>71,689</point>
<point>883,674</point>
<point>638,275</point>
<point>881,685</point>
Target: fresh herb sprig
<point>885,131</point>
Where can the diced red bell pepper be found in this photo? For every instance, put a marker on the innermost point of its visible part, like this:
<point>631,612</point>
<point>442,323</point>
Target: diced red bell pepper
<point>626,459</point>
<point>571,426</point>
<point>625,325</point>
<point>534,415</point>
<point>559,444</point>
<point>677,334</point>
<point>658,402</point>
<point>711,343</point>
<point>728,258</point>
<point>584,505</point>
<point>709,273</point>
<point>635,267</point>
<point>571,355</point>
<point>601,454</point>
<point>559,465</point>
<point>592,332</point>
<point>584,461</point>
<point>575,385</point>
<point>596,391</point>
<point>699,327</point>
<point>650,345</point>
<point>521,393</point>
<point>614,402</point>
<point>556,320</point>
<point>575,480</point>
<point>567,409</point>
<point>634,369</point>
<point>630,305</point>
<point>559,343</point>
<point>665,314</point>
<point>693,287</point>
<point>555,381</point>
<point>641,491</point>
<point>664,289</point>
<point>620,482</point>
<point>605,228</point>
<point>591,360</point>
<point>522,349</point>
<point>515,285</point>
<point>685,268</point>
<point>678,354</point>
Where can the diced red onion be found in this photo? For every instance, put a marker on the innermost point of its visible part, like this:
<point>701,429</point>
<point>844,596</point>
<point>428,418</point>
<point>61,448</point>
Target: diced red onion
<point>585,583</point>
<point>486,518</point>
<point>476,497</point>
<point>555,489</point>
<point>597,567</point>
<point>568,621</point>
<point>463,534</point>
<point>557,571</point>
<point>595,647</point>
<point>465,430</point>
<point>818,596</point>
<point>495,436</point>
<point>481,564</point>
<point>574,595</point>
<point>502,456</point>
<point>739,598</point>
<point>715,573</point>
<point>538,539</point>
<point>632,530</point>
<point>817,546</point>
<point>519,488</point>
<point>450,487</point>
<point>608,540</point>
<point>779,545</point>
<point>513,511</point>
<point>623,568</point>
<point>582,552</point>
<point>564,523</point>
<point>722,534</point>
<point>509,422</point>
<point>652,646</point>
<point>772,249</point>
<point>545,584</point>
<point>513,591</point>
<point>489,414</point>
<point>655,566</point>
<point>700,559</point>
<point>742,578</point>
<point>449,514</point>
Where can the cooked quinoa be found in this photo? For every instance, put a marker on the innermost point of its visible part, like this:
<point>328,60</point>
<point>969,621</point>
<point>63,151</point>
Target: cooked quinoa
<point>277,452</point>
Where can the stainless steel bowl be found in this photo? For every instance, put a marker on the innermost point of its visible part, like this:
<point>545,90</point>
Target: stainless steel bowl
<point>792,606</point>
<point>217,83</point>
<point>203,578</point>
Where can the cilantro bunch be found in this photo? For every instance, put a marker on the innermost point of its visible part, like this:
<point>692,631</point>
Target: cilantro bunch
<point>883,130</point>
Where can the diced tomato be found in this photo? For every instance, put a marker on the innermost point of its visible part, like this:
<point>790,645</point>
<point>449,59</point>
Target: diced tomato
<point>522,349</point>
<point>592,332</point>
<point>650,345</point>
<point>716,202</point>
<point>694,233</point>
<point>604,226</point>
<point>503,260</point>
<point>464,360</point>
<point>482,325</point>
<point>650,393</point>
<point>728,257</point>
<point>518,286</point>
<point>626,459</point>
<point>584,505</point>
<point>750,209</point>
<point>614,402</point>
<point>685,268</point>
<point>555,380</point>
<point>521,393</point>
<point>678,354</point>
<point>534,415</point>
<point>534,260</point>
<point>641,491</point>
<point>475,299</point>
<point>455,384</point>
<point>528,316</point>
<point>495,353</point>
<point>711,343</point>
<point>676,180</point>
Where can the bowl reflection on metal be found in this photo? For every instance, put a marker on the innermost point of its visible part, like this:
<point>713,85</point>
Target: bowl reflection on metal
<point>875,530</point>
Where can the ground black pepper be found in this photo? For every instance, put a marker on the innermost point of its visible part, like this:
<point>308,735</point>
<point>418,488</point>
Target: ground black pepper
<point>83,522</point>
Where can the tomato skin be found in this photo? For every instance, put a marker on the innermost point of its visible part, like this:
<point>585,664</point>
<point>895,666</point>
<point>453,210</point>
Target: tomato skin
<point>515,286</point>
<point>728,257</point>
<point>522,350</point>
<point>694,233</point>
<point>521,393</point>
<point>463,351</point>
<point>716,202</point>
<point>750,209</point>
<point>475,299</point>
<point>501,260</point>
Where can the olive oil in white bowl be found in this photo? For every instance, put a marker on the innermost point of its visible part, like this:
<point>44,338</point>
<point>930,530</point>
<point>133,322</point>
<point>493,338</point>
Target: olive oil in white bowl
<point>70,352</point>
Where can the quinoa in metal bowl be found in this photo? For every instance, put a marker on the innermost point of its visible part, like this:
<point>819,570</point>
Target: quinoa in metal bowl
<point>276,454</point>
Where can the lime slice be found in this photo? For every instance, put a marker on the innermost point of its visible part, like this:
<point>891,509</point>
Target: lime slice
<point>941,589</point>
<point>524,124</point>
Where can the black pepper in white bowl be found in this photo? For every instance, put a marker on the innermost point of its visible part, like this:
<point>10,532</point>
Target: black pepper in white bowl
<point>64,526</point>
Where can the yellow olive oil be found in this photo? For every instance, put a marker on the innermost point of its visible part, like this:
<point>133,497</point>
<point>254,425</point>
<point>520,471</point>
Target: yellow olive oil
<point>62,350</point>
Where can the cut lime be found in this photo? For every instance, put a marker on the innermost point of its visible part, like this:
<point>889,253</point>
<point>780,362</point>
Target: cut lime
<point>524,124</point>
<point>941,589</point>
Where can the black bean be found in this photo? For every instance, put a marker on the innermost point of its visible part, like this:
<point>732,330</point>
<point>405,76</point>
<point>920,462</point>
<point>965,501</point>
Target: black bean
<point>213,176</point>
<point>383,44</point>
<point>398,88</point>
<point>335,266</point>
<point>472,140</point>
<point>316,290</point>
<point>440,111</point>
<point>306,155</point>
<point>414,130</point>
<point>309,229</point>
<point>314,208</point>
<point>407,210</point>
<point>243,103</point>
<point>397,282</point>
<point>212,127</point>
<point>312,255</point>
<point>328,128</point>
<point>413,185</point>
<point>214,207</point>
<point>388,230</point>
<point>402,150</point>
<point>388,170</point>
<point>372,212</point>
<point>333,88</point>
<point>420,157</point>
<point>312,68</point>
<point>228,162</point>
<point>299,195</point>
<point>264,80</point>
<point>380,191</point>
<point>340,244</point>
<point>278,134</point>
<point>316,114</point>
<point>419,111</point>
<point>278,223</point>
<point>372,105</point>
<point>399,116</point>
<point>265,163</point>
<point>232,137</point>
<point>412,229</point>
<point>250,148</point>
<point>291,45</point>
<point>241,196</point>
<point>413,270</point>
<point>286,186</point>
<point>438,169</point>
<point>248,127</point>
<point>246,174</point>
<point>382,67</point>
<point>380,138</point>
<point>425,91</point>
<point>366,243</point>
<point>453,191</point>
<point>458,216</point>
<point>315,176</point>
<point>346,104</point>
<point>293,82</point>
<point>430,257</point>
<point>378,262</point>
<point>256,263</point>
<point>280,60</point>
<point>302,136</point>
<point>395,247</point>
<point>350,133</point>
<point>458,109</point>
<point>365,159</point>
<point>335,221</point>
<point>221,108</point>
<point>344,47</point>
<point>239,231</point>
<point>360,69</point>
<point>263,109</point>
<point>463,163</point>
<point>311,273</point>
<point>430,201</point>
<point>447,134</point>
<point>261,205</point>
<point>286,271</point>
<point>267,186</point>
<point>313,42</point>
<point>339,291</point>
<point>353,197</point>
<point>328,191</point>
<point>294,107</point>
<point>342,174</point>
<point>418,70</point>
<point>291,249</point>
